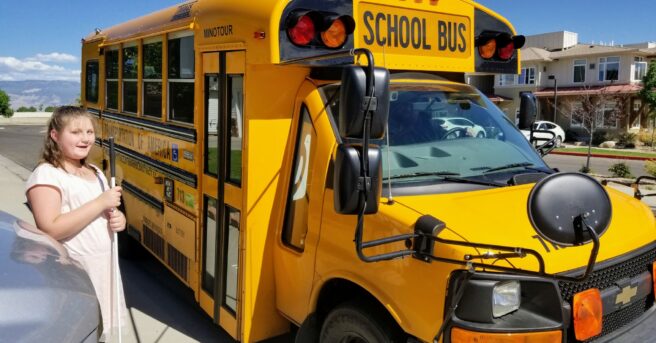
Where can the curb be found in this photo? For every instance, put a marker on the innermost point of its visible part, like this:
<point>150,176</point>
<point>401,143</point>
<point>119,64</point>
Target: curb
<point>616,157</point>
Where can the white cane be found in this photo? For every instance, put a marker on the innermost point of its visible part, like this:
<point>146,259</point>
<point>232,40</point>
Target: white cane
<point>112,184</point>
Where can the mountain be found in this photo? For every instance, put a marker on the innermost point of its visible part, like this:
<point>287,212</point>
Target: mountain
<point>38,92</point>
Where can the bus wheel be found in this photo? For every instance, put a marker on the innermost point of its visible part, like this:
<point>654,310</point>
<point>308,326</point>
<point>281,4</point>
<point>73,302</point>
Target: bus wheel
<point>358,323</point>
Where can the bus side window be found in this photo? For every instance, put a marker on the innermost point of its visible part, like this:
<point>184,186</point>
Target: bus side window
<point>296,214</point>
<point>181,77</point>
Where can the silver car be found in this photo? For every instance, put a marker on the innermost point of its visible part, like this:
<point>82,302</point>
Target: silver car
<point>45,296</point>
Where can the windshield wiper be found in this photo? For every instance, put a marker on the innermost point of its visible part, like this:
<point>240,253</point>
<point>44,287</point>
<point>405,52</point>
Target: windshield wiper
<point>450,177</point>
<point>438,173</point>
<point>525,165</point>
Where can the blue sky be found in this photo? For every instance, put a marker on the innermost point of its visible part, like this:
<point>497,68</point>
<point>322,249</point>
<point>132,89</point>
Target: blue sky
<point>40,39</point>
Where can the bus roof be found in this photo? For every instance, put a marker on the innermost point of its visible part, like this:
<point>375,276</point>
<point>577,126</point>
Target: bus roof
<point>422,35</point>
<point>168,19</point>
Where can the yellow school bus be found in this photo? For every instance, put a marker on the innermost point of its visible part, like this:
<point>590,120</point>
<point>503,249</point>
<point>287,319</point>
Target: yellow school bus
<point>321,167</point>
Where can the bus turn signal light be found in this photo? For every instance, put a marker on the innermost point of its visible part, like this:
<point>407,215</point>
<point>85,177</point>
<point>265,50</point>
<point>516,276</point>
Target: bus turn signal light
<point>487,50</point>
<point>588,313</point>
<point>459,335</point>
<point>334,36</point>
<point>653,276</point>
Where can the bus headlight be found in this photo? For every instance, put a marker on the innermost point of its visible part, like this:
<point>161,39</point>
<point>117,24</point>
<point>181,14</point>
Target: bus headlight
<point>505,298</point>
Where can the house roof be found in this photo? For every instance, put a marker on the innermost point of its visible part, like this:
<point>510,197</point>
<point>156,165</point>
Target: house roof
<point>589,49</point>
<point>585,90</point>
<point>535,54</point>
<point>497,98</point>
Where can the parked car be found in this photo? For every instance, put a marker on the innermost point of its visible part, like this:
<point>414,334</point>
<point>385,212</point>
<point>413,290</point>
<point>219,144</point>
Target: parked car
<point>544,125</point>
<point>45,296</point>
<point>450,123</point>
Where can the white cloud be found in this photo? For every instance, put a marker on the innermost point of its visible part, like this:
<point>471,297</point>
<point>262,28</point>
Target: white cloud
<point>54,57</point>
<point>32,90</point>
<point>14,69</point>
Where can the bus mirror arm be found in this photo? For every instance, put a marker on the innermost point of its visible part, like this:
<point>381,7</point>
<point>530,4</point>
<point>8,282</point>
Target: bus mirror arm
<point>425,241</point>
<point>545,147</point>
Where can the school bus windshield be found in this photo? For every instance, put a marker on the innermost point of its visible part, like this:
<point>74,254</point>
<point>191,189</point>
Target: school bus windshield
<point>442,129</point>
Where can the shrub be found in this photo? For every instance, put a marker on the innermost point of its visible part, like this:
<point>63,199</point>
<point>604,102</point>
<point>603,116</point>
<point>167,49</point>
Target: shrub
<point>650,167</point>
<point>645,137</point>
<point>599,137</point>
<point>620,169</point>
<point>626,139</point>
<point>585,170</point>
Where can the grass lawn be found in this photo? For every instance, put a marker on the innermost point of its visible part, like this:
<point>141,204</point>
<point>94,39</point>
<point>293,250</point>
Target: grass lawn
<point>612,152</point>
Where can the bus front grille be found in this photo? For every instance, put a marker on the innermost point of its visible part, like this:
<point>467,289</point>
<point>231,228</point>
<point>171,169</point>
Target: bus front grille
<point>607,276</point>
<point>153,242</point>
<point>177,261</point>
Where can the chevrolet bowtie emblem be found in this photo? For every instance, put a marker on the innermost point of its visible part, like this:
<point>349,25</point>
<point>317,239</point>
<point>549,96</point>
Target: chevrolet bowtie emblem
<point>625,296</point>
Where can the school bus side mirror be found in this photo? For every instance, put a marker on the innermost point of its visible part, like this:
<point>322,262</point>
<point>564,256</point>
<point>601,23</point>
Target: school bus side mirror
<point>527,110</point>
<point>348,181</point>
<point>354,102</point>
<point>569,209</point>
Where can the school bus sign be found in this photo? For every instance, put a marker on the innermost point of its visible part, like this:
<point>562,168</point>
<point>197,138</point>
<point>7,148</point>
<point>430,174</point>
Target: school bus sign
<point>420,35</point>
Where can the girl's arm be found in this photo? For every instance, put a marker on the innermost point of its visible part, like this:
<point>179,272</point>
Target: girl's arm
<point>46,208</point>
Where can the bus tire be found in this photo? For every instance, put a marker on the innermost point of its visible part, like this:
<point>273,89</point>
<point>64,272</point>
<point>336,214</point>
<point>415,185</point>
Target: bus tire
<point>358,322</point>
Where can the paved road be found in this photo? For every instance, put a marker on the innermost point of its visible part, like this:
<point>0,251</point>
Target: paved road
<point>22,144</point>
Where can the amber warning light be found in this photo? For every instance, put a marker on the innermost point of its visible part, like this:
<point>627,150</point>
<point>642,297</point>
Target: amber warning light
<point>319,29</point>
<point>499,46</point>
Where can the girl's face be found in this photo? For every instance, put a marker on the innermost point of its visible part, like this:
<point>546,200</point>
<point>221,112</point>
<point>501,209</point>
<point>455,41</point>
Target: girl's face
<point>76,139</point>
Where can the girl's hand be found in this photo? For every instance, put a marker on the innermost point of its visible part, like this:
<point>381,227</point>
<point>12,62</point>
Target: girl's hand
<point>116,220</point>
<point>111,198</point>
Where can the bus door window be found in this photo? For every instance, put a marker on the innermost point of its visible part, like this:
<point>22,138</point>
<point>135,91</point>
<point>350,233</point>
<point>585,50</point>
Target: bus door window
<point>231,269</point>
<point>296,215</point>
<point>181,77</point>
<point>209,248</point>
<point>236,98</point>
<point>212,106</point>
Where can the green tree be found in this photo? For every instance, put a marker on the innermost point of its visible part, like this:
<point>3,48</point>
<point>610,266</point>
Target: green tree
<point>50,109</point>
<point>648,96</point>
<point>5,106</point>
<point>26,109</point>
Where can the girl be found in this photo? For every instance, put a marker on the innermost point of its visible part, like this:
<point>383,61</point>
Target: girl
<point>72,202</point>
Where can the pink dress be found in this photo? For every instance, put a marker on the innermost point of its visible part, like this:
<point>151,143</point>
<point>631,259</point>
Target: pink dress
<point>92,246</point>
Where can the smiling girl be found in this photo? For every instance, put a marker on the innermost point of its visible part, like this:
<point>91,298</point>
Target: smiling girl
<point>72,202</point>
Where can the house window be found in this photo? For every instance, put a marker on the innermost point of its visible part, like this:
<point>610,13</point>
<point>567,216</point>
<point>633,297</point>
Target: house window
<point>609,68</point>
<point>639,68</point>
<point>579,70</point>
<point>527,77</point>
<point>506,80</point>
<point>606,116</point>
<point>636,107</point>
<point>575,115</point>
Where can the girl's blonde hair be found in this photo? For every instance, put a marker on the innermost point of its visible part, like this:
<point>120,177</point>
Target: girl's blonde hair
<point>60,118</point>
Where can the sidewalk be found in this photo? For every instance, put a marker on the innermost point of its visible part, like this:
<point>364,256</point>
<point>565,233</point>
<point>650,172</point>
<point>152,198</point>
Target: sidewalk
<point>141,327</point>
<point>563,151</point>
